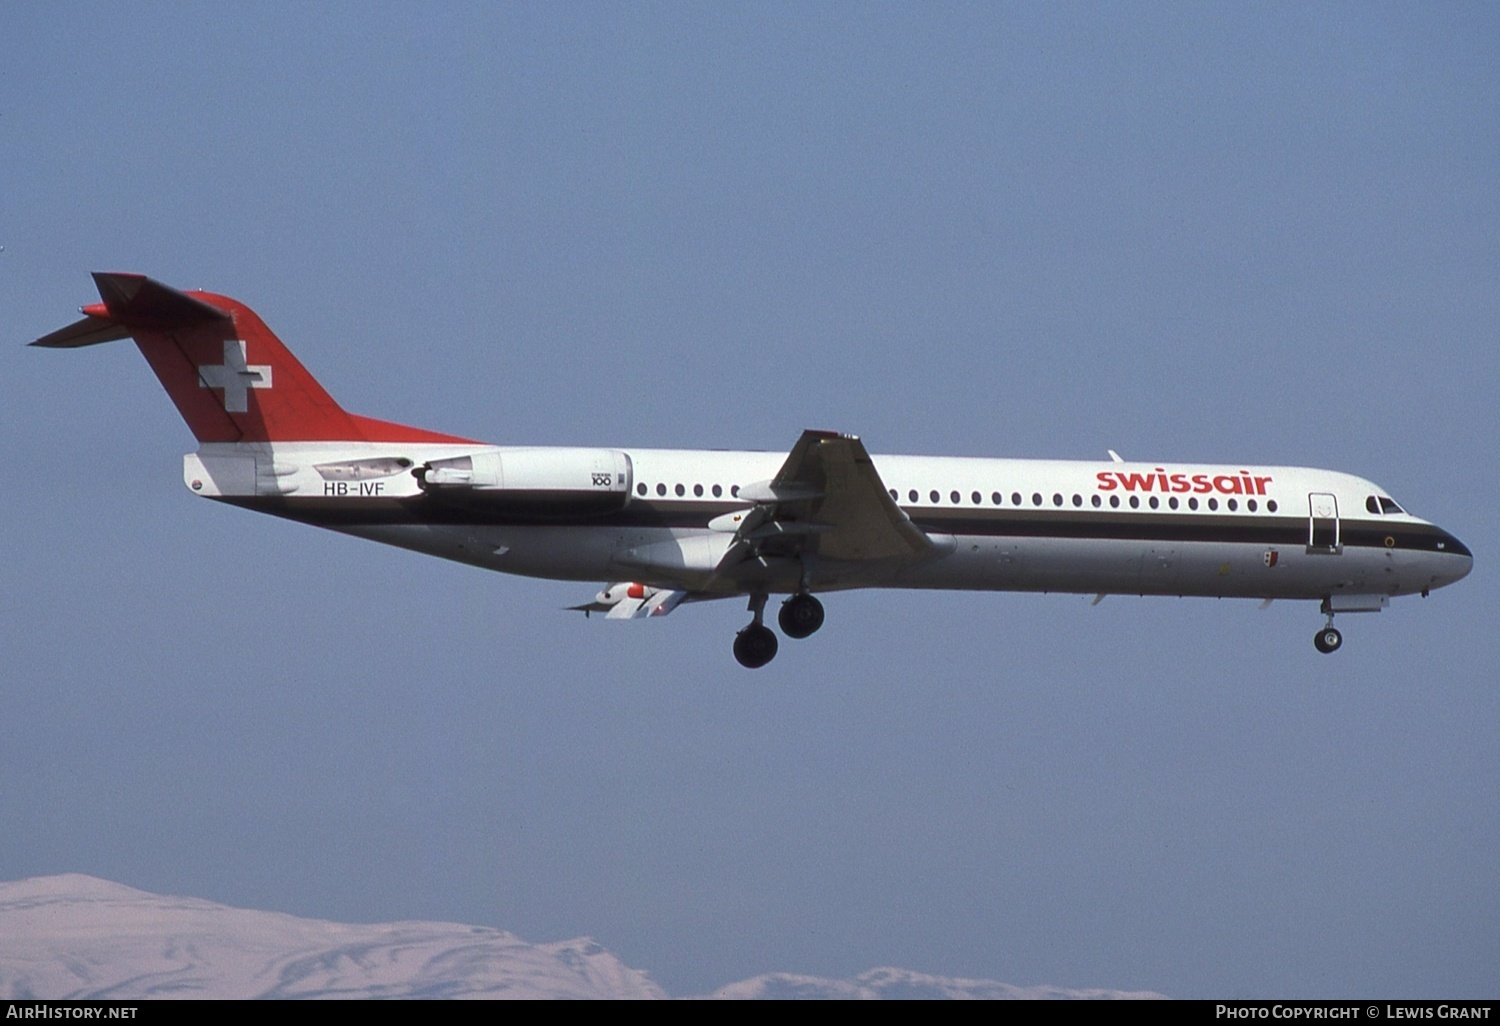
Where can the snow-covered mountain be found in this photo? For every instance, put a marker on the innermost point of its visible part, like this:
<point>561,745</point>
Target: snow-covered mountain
<point>902,984</point>
<point>77,937</point>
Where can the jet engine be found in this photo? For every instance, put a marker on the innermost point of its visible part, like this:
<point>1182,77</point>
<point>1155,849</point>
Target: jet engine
<point>532,482</point>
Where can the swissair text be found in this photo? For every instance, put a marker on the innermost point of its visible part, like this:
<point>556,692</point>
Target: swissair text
<point>1241,483</point>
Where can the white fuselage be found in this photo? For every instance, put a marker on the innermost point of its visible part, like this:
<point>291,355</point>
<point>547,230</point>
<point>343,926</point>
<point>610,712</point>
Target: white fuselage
<point>1225,530</point>
<point>666,526</point>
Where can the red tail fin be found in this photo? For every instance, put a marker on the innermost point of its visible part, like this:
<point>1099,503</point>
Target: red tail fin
<point>231,378</point>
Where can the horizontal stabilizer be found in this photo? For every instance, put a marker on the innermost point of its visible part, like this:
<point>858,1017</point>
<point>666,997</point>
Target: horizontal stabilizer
<point>130,301</point>
<point>88,332</point>
<point>139,301</point>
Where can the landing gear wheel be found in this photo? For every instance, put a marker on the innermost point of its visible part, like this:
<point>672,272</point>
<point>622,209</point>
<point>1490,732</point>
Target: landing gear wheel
<point>755,646</point>
<point>1328,640</point>
<point>800,616</point>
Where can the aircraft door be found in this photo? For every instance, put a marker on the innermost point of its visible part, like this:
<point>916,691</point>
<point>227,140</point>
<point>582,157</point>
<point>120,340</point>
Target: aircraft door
<point>1323,525</point>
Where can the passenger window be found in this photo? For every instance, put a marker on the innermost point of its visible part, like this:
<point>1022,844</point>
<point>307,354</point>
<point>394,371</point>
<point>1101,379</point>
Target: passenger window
<point>640,489</point>
<point>1172,502</point>
<point>1114,502</point>
<point>680,491</point>
<point>1233,505</point>
<point>1271,505</point>
<point>1192,503</point>
<point>1213,503</point>
<point>1056,499</point>
<point>1135,502</point>
<point>718,491</point>
<point>995,498</point>
<point>698,491</point>
<point>1015,498</point>
<point>934,496</point>
<point>661,489</point>
<point>954,497</point>
<point>1036,498</point>
<point>1096,501</point>
<point>1250,505</point>
<point>978,499</point>
<point>893,493</point>
<point>1077,500</point>
<point>912,495</point>
<point>1155,502</point>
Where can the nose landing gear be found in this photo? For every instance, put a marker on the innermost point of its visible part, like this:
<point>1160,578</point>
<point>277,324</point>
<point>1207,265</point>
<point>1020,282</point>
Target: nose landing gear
<point>1328,640</point>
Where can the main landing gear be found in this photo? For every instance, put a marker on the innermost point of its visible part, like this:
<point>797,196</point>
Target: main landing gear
<point>756,645</point>
<point>800,616</point>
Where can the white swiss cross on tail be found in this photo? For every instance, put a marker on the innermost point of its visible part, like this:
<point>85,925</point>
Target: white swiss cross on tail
<point>235,377</point>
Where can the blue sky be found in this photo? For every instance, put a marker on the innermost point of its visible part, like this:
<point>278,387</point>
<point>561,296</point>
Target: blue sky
<point>1259,233</point>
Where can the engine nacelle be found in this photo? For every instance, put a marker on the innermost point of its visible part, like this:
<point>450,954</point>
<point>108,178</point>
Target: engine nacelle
<point>533,482</point>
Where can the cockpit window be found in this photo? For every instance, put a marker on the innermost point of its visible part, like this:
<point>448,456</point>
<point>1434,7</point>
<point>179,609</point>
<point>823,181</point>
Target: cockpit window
<point>1382,505</point>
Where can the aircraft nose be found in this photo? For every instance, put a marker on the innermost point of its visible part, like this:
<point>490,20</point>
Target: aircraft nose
<point>1460,560</point>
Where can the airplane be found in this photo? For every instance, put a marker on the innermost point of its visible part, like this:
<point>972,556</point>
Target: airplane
<point>672,526</point>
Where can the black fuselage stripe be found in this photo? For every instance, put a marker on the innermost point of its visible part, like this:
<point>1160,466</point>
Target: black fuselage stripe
<point>995,524</point>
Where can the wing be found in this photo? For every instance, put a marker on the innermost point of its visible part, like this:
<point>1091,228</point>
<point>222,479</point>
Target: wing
<point>827,505</point>
<point>824,521</point>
